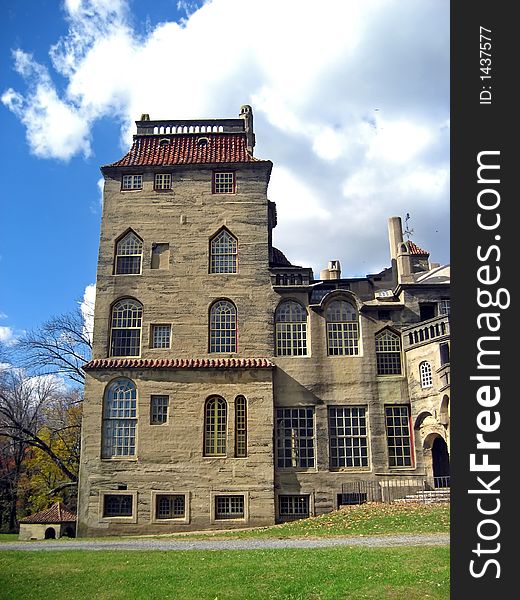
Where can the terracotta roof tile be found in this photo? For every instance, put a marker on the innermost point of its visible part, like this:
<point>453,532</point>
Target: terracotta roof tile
<point>414,249</point>
<point>184,149</point>
<point>178,363</point>
<point>57,513</point>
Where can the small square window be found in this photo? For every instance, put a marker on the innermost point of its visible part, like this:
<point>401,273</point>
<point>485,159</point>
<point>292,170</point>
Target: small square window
<point>224,182</point>
<point>161,336</point>
<point>445,307</point>
<point>163,181</point>
<point>170,506</point>
<point>159,410</point>
<point>229,507</point>
<point>117,505</point>
<point>293,507</point>
<point>132,182</point>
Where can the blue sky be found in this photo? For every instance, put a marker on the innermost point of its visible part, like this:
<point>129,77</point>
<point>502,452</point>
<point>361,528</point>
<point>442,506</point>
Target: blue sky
<point>351,104</point>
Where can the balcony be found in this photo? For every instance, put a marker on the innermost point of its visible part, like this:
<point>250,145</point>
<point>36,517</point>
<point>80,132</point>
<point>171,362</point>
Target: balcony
<point>426,331</point>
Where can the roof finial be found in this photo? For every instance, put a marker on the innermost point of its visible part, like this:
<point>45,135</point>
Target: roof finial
<point>407,231</point>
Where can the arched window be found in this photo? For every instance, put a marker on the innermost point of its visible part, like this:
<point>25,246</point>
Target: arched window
<point>425,373</point>
<point>127,316</point>
<point>291,329</point>
<point>119,419</point>
<point>388,353</point>
<point>342,329</point>
<point>223,327</point>
<point>129,254</point>
<point>240,427</point>
<point>215,426</point>
<point>223,251</point>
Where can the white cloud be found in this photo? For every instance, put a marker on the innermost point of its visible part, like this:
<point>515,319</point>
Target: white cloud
<point>7,336</point>
<point>351,104</point>
<point>87,309</point>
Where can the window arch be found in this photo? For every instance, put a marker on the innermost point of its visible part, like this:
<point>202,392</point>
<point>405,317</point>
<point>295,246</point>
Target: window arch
<point>425,373</point>
<point>223,253</point>
<point>223,327</point>
<point>388,353</point>
<point>240,427</point>
<point>119,419</point>
<point>126,323</point>
<point>342,329</point>
<point>129,255</point>
<point>215,426</point>
<point>291,329</point>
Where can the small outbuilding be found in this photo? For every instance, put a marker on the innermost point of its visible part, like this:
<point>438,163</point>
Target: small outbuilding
<point>51,523</point>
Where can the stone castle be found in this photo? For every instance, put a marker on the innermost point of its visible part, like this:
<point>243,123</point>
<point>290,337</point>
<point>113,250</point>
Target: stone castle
<point>229,387</point>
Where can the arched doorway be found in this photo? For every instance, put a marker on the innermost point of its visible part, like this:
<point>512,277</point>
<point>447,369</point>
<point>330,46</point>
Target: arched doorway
<point>50,533</point>
<point>440,462</point>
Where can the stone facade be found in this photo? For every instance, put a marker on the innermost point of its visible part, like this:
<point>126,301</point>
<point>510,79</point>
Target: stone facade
<point>284,391</point>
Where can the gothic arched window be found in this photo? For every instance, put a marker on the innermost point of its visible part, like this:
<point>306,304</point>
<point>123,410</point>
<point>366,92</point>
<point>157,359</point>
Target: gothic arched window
<point>388,353</point>
<point>425,374</point>
<point>129,254</point>
<point>223,253</point>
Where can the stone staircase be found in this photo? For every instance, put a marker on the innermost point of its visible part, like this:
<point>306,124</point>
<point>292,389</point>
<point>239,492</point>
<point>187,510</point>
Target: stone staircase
<point>427,496</point>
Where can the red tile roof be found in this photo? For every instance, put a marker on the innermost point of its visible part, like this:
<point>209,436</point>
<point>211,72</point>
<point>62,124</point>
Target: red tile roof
<point>414,249</point>
<point>57,513</point>
<point>178,363</point>
<point>184,149</point>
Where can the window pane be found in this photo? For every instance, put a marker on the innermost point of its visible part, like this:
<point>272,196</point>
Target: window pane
<point>224,183</point>
<point>117,505</point>
<point>348,437</point>
<point>215,427</point>
<point>293,507</point>
<point>170,506</point>
<point>388,353</point>
<point>159,409</point>
<point>398,436</point>
<point>229,507</point>
<point>291,329</point>
<point>342,329</point>
<point>240,427</point>
<point>223,250</point>
<point>295,437</point>
<point>222,327</point>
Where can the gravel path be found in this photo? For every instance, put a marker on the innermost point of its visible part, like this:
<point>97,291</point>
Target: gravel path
<point>236,544</point>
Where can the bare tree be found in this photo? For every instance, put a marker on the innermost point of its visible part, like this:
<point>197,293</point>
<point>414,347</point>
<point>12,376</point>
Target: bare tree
<point>32,413</point>
<point>61,346</point>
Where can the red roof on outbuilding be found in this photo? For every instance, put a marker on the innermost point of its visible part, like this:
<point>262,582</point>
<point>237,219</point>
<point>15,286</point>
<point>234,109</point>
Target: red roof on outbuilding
<point>57,513</point>
<point>185,149</point>
<point>414,249</point>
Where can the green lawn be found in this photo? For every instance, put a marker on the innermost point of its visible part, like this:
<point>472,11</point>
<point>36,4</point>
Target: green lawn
<point>312,574</point>
<point>8,537</point>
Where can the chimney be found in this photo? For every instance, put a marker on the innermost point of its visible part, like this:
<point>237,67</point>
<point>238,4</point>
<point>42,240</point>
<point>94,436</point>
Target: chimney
<point>246,113</point>
<point>145,117</point>
<point>333,271</point>
<point>395,235</point>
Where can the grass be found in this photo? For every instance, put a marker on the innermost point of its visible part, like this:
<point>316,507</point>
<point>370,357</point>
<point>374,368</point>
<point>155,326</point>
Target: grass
<point>312,574</point>
<point>8,537</point>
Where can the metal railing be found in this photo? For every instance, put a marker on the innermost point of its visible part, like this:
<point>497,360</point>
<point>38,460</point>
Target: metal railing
<point>415,489</point>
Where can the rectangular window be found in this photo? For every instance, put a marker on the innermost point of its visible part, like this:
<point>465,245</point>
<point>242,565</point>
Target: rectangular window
<point>161,335</point>
<point>170,506</point>
<point>348,437</point>
<point>295,437</point>
<point>126,342</point>
<point>163,181</point>
<point>445,307</point>
<point>224,182</point>
<point>117,505</point>
<point>229,507</point>
<point>343,339</point>
<point>291,339</point>
<point>444,349</point>
<point>159,410</point>
<point>398,436</point>
<point>293,507</point>
<point>132,182</point>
